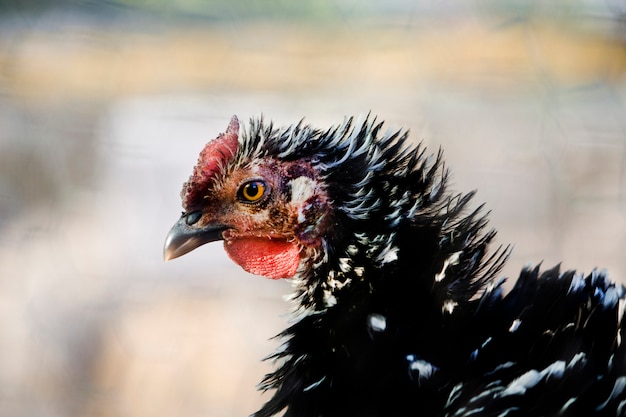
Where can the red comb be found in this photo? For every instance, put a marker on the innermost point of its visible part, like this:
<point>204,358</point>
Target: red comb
<point>217,153</point>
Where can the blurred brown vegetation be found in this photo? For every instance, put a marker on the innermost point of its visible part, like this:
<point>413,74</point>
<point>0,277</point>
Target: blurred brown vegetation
<point>283,57</point>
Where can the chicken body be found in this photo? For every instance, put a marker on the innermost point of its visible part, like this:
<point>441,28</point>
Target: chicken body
<point>399,309</point>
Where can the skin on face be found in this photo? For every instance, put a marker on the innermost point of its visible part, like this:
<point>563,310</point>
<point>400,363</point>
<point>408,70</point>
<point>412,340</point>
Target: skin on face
<point>272,215</point>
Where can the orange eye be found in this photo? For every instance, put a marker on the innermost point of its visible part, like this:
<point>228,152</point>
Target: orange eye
<point>252,191</point>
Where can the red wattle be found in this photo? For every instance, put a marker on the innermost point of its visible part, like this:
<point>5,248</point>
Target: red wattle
<point>270,258</point>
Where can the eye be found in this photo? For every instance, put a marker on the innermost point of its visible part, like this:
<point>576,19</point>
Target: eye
<point>252,191</point>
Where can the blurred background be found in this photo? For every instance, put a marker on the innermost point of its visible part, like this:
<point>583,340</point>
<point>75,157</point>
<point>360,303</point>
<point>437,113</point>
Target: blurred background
<point>104,106</point>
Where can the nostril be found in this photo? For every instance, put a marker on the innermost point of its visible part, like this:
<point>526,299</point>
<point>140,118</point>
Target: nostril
<point>193,217</point>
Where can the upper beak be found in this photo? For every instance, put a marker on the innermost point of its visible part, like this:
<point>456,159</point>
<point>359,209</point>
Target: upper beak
<point>184,237</point>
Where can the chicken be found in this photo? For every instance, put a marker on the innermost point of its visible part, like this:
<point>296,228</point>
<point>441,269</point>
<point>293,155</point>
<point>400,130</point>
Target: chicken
<point>399,308</point>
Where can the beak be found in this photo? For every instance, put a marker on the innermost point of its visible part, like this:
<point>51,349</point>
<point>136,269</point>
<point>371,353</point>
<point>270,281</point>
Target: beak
<point>184,237</point>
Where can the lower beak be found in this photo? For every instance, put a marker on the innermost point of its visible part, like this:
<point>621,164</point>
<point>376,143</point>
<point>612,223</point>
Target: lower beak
<point>184,238</point>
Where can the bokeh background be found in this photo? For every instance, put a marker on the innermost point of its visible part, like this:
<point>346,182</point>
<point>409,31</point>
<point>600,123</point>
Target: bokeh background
<point>104,106</point>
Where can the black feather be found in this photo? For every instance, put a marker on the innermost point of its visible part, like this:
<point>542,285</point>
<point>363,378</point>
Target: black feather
<point>403,314</point>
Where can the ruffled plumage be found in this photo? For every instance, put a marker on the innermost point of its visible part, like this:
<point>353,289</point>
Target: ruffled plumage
<point>405,315</point>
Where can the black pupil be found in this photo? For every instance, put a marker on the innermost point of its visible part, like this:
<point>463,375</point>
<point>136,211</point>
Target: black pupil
<point>253,189</point>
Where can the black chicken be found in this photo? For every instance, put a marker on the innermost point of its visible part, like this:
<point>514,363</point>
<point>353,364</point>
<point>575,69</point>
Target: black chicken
<point>399,310</point>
